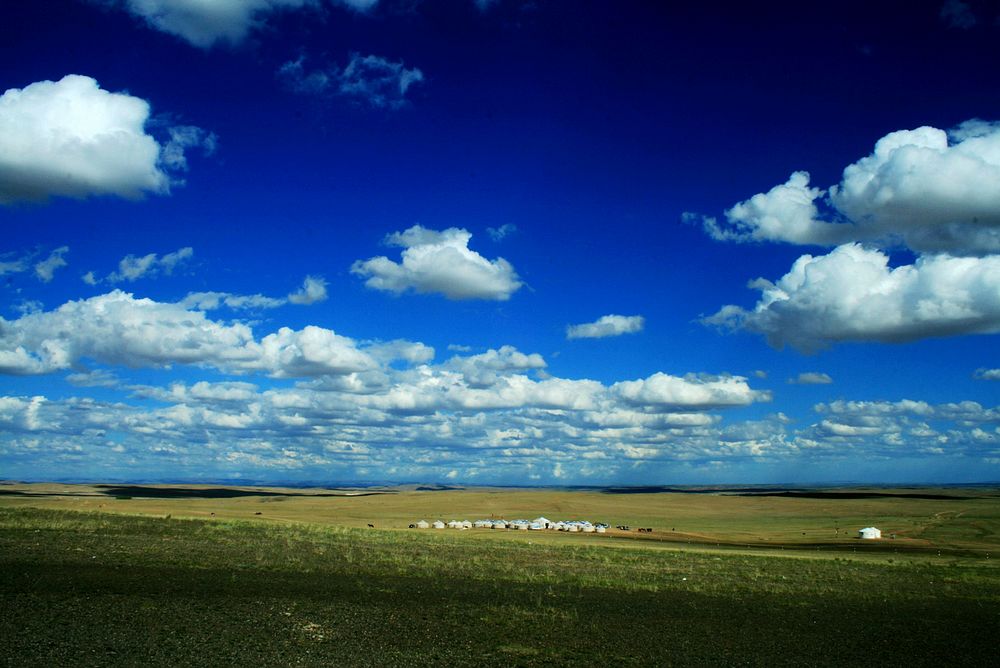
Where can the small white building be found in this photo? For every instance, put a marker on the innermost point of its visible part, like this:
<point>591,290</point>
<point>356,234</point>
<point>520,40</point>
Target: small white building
<point>438,524</point>
<point>423,525</point>
<point>546,523</point>
<point>454,524</point>
<point>870,533</point>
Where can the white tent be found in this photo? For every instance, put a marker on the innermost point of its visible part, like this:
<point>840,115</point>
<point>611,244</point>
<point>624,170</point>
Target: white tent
<point>546,523</point>
<point>466,524</point>
<point>482,524</point>
<point>423,525</point>
<point>438,524</point>
<point>454,524</point>
<point>870,533</point>
<point>601,529</point>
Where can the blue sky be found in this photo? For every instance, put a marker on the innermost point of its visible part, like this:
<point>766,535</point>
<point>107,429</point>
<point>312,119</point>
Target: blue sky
<point>499,242</point>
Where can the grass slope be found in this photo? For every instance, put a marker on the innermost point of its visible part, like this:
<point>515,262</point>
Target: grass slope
<point>95,588</point>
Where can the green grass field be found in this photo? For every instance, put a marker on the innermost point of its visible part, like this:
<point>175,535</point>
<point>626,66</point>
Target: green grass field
<point>88,580</point>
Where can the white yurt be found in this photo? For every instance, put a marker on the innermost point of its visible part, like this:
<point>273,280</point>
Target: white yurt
<point>438,524</point>
<point>587,528</point>
<point>601,528</point>
<point>466,524</point>
<point>546,523</point>
<point>870,533</point>
<point>423,525</point>
<point>482,524</point>
<point>454,524</point>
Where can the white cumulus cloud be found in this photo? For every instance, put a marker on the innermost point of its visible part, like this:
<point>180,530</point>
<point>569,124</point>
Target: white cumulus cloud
<point>665,392</point>
<point>987,374</point>
<point>439,262</point>
<point>209,301</point>
<point>204,23</point>
<point>852,294</point>
<point>45,270</point>
<point>118,329</point>
<point>607,325</point>
<point>133,267</point>
<point>313,290</point>
<point>71,138</point>
<point>926,189</point>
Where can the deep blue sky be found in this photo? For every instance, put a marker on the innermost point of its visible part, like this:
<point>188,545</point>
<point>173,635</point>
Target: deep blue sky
<point>602,135</point>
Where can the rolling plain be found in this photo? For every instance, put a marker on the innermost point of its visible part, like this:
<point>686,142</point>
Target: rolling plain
<point>181,574</point>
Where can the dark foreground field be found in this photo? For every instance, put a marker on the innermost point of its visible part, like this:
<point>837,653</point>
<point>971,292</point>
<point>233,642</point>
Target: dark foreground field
<point>97,589</point>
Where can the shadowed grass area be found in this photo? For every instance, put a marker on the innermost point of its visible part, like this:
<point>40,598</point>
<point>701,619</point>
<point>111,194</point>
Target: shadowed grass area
<point>89,588</point>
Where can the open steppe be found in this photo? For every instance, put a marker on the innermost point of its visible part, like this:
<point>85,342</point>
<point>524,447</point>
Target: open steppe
<point>160,575</point>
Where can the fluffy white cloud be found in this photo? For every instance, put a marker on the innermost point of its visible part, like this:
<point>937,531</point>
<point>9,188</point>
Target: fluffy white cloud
<point>852,294</point>
<point>439,262</point>
<point>132,267</point>
<point>607,325</point>
<point>429,420</point>
<point>10,263</point>
<point>787,212</point>
<point>45,270</point>
<point>664,392</point>
<point>206,22</point>
<point>118,329</point>
<point>313,290</point>
<point>987,374</point>
<point>71,138</point>
<point>485,369</point>
<point>93,378</point>
<point>885,427</point>
<point>209,301</point>
<point>927,189</point>
<point>811,378</point>
<point>370,80</point>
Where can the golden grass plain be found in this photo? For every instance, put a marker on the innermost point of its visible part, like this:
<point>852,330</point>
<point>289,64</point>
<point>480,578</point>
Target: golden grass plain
<point>967,521</point>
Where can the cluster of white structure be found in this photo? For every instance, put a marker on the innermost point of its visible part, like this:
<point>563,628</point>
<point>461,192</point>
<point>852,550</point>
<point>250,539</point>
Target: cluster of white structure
<point>537,524</point>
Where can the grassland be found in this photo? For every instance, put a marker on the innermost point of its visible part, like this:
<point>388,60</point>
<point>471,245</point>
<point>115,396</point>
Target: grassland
<point>91,579</point>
